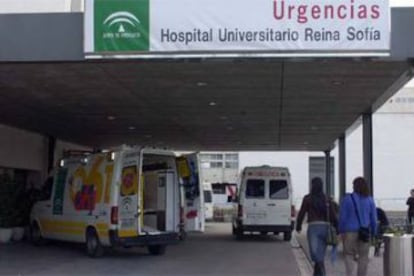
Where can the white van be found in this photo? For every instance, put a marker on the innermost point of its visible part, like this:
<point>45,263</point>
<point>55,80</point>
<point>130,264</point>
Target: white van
<point>264,202</point>
<point>126,197</point>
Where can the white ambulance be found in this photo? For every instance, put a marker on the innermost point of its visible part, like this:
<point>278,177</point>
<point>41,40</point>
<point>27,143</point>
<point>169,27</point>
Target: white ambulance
<point>264,202</point>
<point>126,197</point>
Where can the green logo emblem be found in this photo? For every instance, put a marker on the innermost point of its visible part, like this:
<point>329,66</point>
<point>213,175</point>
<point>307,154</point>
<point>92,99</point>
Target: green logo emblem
<point>121,25</point>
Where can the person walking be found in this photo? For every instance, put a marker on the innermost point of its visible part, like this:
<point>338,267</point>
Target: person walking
<point>357,223</point>
<point>410,211</point>
<point>316,205</point>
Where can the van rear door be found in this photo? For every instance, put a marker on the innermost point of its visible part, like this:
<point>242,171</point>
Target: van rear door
<point>129,195</point>
<point>255,203</point>
<point>278,202</point>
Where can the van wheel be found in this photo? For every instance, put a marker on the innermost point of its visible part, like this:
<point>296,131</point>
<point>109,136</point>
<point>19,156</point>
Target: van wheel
<point>94,247</point>
<point>35,234</point>
<point>237,233</point>
<point>157,249</point>
<point>287,236</point>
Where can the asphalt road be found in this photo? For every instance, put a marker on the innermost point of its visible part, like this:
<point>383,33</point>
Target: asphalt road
<point>213,253</point>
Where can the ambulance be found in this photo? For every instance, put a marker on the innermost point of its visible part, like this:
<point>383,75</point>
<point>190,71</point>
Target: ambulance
<point>130,196</point>
<point>264,202</point>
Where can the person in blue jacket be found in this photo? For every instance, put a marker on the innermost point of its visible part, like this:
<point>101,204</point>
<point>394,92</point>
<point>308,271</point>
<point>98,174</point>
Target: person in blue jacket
<point>357,204</point>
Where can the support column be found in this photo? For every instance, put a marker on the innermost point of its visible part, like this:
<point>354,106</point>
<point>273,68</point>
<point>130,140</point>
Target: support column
<point>367,149</point>
<point>51,146</point>
<point>328,172</point>
<point>342,166</point>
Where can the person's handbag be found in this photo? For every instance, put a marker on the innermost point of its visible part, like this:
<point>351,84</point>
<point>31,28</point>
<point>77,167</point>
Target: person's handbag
<point>364,234</point>
<point>332,237</point>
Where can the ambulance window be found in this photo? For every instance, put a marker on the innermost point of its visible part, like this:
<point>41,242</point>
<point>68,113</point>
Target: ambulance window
<point>255,188</point>
<point>278,189</point>
<point>207,197</point>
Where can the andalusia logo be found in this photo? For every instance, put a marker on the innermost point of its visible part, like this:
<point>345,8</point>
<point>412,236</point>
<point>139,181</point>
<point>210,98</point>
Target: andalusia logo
<point>121,25</point>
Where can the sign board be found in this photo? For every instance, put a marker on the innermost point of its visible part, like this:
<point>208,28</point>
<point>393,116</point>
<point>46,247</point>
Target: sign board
<point>114,27</point>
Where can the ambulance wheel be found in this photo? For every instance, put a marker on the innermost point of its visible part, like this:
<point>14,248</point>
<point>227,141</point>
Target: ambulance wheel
<point>183,235</point>
<point>237,233</point>
<point>93,245</point>
<point>287,236</point>
<point>157,249</point>
<point>36,235</point>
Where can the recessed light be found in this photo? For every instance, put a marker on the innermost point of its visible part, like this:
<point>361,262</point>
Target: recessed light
<point>201,84</point>
<point>337,82</point>
<point>111,118</point>
<point>212,104</point>
<point>306,143</point>
<point>223,117</point>
<point>131,127</point>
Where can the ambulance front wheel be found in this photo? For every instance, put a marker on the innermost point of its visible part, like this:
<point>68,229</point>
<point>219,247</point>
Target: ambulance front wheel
<point>36,235</point>
<point>93,245</point>
<point>157,249</point>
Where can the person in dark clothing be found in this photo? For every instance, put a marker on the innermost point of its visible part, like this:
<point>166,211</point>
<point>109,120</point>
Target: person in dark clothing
<point>316,205</point>
<point>383,225</point>
<point>410,203</point>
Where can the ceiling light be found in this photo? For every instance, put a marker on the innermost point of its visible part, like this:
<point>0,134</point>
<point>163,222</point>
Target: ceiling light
<point>337,82</point>
<point>229,128</point>
<point>148,136</point>
<point>212,104</point>
<point>201,84</point>
<point>223,117</point>
<point>111,118</point>
<point>314,128</point>
<point>306,143</point>
<point>131,127</point>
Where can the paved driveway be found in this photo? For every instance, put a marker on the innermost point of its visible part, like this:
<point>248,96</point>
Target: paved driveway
<point>212,253</point>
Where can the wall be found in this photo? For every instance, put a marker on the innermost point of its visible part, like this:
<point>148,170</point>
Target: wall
<point>34,6</point>
<point>20,149</point>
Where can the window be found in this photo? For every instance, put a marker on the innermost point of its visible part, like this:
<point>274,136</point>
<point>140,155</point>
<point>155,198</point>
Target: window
<point>216,164</point>
<point>218,188</point>
<point>207,197</point>
<point>255,188</point>
<point>232,165</point>
<point>232,157</point>
<point>278,189</point>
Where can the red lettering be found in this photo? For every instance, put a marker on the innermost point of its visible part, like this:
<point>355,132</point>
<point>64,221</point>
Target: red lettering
<point>302,18</point>
<point>316,12</point>
<point>281,9</point>
<point>342,12</point>
<point>375,13</point>
<point>362,12</point>
<point>329,12</point>
<point>291,8</point>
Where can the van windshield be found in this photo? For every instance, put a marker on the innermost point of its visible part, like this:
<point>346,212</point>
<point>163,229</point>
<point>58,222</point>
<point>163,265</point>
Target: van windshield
<point>278,189</point>
<point>207,197</point>
<point>255,188</point>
